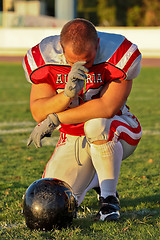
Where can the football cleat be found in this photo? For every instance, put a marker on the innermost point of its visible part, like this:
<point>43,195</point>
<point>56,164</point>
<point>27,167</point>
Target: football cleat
<point>98,191</point>
<point>109,209</point>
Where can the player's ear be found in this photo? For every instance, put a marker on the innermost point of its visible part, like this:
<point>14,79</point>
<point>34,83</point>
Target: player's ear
<point>61,46</point>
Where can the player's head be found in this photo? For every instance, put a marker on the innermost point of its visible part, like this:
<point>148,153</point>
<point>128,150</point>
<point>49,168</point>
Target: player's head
<point>49,203</point>
<point>79,41</point>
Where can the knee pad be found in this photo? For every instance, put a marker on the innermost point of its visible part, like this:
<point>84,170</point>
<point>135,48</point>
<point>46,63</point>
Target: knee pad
<point>97,129</point>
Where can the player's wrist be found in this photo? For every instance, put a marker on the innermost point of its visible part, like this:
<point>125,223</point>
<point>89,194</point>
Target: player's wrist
<point>55,119</point>
<point>66,94</point>
<point>69,91</point>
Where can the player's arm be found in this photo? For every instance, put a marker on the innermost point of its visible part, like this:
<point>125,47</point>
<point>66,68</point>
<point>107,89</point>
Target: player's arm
<point>44,100</point>
<point>114,96</point>
<point>106,106</point>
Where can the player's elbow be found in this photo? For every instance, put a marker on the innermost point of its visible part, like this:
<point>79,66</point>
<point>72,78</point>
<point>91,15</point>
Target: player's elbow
<point>36,114</point>
<point>37,119</point>
<point>107,110</point>
<point>110,113</point>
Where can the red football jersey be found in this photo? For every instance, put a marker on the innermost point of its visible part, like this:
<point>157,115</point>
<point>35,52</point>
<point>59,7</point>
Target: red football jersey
<point>117,58</point>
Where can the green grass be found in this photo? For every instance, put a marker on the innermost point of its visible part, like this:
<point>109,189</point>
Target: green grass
<point>139,178</point>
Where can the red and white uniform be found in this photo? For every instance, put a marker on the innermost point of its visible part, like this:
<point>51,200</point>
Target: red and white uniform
<point>117,58</point>
<point>72,160</point>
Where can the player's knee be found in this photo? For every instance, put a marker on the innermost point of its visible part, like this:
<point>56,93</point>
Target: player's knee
<point>95,130</point>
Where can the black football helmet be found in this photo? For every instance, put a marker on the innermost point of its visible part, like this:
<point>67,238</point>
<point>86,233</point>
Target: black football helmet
<point>49,203</point>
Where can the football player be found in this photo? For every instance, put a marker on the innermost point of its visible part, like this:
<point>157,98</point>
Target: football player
<point>81,80</point>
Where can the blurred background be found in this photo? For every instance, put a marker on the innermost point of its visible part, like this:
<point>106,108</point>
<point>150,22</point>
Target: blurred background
<point>40,13</point>
<point>23,23</point>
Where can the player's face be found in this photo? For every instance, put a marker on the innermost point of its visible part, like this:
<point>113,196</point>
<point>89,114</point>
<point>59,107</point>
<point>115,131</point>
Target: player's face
<point>88,56</point>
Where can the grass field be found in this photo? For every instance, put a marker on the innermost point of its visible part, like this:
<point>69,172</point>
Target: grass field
<point>139,181</point>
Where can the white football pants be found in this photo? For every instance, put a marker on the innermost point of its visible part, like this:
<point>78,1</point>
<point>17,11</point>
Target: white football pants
<point>76,162</point>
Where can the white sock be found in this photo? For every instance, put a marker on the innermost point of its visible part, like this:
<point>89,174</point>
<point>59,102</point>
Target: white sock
<point>107,159</point>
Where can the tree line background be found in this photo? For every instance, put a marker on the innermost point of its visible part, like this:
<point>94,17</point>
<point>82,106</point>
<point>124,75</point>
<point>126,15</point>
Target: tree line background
<point>113,12</point>
<point>120,12</point>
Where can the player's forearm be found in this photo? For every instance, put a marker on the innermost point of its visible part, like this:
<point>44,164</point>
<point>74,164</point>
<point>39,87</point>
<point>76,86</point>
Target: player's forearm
<point>105,107</point>
<point>40,108</point>
<point>89,110</point>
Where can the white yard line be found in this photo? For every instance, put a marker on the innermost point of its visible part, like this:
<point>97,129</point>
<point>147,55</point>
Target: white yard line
<point>17,124</point>
<point>12,131</point>
<point>150,132</point>
<point>27,126</point>
<point>13,103</point>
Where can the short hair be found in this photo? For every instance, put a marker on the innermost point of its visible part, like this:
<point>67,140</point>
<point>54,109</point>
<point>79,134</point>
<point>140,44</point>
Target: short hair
<point>79,32</point>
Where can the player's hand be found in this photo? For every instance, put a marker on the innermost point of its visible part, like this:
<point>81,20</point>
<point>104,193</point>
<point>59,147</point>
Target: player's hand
<point>76,79</point>
<point>43,129</point>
